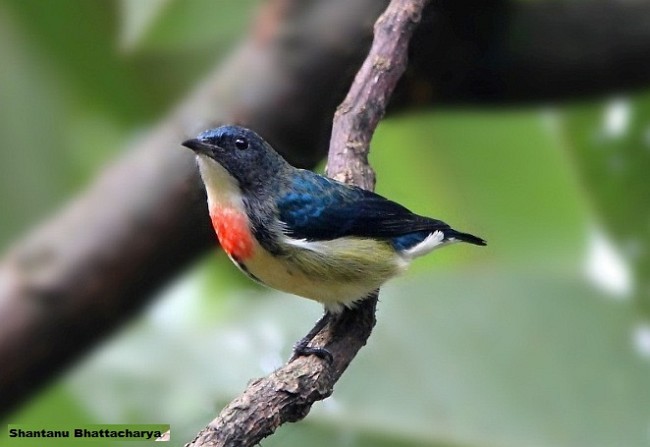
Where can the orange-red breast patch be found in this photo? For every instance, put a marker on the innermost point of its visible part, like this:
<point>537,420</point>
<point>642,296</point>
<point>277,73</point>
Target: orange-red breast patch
<point>233,232</point>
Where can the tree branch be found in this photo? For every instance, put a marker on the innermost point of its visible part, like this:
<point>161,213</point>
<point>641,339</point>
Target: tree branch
<point>99,260</point>
<point>504,51</point>
<point>287,394</point>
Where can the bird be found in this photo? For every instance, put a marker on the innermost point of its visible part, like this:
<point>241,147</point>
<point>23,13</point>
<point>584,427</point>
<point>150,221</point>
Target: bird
<point>303,233</point>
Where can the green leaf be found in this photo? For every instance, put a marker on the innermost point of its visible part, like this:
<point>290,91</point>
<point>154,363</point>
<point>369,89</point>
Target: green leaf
<point>180,25</point>
<point>610,144</point>
<point>137,18</point>
<point>499,175</point>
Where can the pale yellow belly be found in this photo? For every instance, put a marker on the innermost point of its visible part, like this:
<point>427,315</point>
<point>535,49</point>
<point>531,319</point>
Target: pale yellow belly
<point>335,273</point>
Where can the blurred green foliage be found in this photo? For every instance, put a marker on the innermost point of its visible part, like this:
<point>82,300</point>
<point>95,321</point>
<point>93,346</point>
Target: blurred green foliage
<point>513,344</point>
<point>610,145</point>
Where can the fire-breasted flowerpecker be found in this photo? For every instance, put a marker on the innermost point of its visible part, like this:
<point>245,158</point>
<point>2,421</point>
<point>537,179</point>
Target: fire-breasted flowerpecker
<point>303,233</point>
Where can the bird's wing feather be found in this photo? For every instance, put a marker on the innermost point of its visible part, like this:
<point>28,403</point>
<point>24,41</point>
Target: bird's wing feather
<point>318,208</point>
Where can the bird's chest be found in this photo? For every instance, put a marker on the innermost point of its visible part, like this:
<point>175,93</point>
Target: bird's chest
<point>233,230</point>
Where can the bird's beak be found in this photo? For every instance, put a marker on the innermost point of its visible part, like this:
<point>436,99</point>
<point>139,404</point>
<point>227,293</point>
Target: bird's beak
<point>197,146</point>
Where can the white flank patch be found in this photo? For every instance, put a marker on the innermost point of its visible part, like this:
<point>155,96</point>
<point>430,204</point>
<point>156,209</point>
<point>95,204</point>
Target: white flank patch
<point>318,247</point>
<point>606,268</point>
<point>432,241</point>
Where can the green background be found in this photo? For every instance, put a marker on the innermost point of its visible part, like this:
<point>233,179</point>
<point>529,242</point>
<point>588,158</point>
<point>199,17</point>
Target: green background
<point>540,339</point>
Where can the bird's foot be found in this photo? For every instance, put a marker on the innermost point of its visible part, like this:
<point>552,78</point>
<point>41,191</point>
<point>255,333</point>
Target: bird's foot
<point>302,348</point>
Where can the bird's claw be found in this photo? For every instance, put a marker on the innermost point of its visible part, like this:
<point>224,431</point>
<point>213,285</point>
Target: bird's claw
<point>302,349</point>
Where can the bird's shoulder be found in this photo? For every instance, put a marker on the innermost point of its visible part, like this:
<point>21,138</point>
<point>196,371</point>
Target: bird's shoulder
<point>307,191</point>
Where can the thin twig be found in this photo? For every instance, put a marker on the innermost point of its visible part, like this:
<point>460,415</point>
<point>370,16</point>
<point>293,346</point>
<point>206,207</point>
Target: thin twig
<point>287,394</point>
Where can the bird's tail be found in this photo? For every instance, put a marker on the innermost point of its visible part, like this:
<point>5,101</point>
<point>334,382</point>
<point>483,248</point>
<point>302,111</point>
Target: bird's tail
<point>453,235</point>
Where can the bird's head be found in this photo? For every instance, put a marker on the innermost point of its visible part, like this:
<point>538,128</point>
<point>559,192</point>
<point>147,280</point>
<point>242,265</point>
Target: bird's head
<point>237,155</point>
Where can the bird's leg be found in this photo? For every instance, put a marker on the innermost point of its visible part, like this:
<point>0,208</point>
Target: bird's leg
<point>302,348</point>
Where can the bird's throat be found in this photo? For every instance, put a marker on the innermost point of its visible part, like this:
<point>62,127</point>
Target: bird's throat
<point>227,210</point>
<point>233,232</point>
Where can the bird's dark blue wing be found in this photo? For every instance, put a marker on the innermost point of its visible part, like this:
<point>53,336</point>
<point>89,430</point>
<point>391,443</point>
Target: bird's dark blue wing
<point>317,208</point>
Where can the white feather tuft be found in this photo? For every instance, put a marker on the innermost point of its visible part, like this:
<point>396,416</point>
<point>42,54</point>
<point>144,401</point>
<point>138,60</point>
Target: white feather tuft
<point>434,240</point>
<point>318,247</point>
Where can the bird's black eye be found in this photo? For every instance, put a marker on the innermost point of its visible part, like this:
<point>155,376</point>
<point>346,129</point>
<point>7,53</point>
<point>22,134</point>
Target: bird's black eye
<point>241,143</point>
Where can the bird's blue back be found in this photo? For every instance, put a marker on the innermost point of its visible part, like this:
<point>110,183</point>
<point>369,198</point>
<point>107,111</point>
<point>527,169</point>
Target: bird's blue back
<point>314,208</point>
